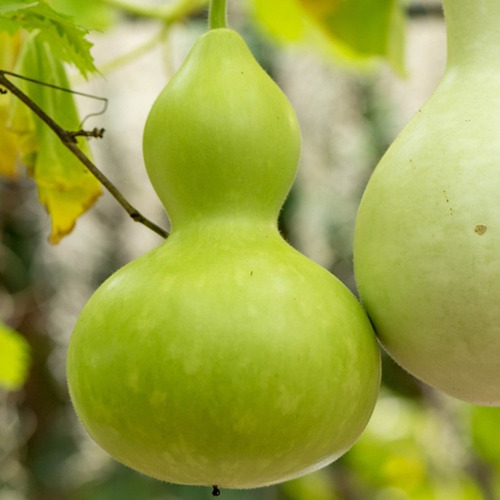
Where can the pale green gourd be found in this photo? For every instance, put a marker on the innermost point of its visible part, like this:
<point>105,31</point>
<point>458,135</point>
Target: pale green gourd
<point>223,356</point>
<point>427,239</point>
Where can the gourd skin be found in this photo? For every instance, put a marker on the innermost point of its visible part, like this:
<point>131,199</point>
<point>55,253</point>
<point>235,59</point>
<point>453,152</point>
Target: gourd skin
<point>221,138</point>
<point>427,236</point>
<point>223,356</point>
<point>255,370</point>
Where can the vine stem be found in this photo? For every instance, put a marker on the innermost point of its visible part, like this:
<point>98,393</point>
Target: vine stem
<point>170,13</point>
<point>68,138</point>
<point>137,52</point>
<point>218,14</point>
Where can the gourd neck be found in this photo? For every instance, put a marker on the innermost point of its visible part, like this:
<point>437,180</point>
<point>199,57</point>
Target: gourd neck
<point>473,32</point>
<point>212,229</point>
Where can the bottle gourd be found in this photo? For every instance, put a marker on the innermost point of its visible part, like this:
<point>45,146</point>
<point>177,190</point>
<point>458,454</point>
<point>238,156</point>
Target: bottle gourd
<point>427,238</point>
<point>223,356</point>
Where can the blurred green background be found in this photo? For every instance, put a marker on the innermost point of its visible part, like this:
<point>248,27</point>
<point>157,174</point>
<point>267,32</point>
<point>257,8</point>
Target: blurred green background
<point>420,444</point>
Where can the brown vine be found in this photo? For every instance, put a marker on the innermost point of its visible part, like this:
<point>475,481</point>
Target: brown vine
<point>68,138</point>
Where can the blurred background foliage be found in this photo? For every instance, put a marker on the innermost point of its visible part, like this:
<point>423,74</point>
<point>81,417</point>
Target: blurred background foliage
<point>355,71</point>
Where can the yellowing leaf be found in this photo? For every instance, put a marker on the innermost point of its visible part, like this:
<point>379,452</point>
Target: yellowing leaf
<point>14,358</point>
<point>9,154</point>
<point>10,46</point>
<point>18,139</point>
<point>65,187</point>
<point>321,8</point>
<point>352,30</point>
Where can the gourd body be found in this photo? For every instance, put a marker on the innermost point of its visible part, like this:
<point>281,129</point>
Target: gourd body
<point>223,356</point>
<point>427,239</point>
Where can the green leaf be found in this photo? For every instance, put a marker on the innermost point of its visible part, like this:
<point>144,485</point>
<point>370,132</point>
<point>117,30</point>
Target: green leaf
<point>65,38</point>
<point>357,31</point>
<point>13,6</point>
<point>92,13</point>
<point>14,358</point>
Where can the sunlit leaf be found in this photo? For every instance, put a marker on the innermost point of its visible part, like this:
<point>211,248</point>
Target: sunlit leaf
<point>486,433</point>
<point>65,187</point>
<point>316,486</point>
<point>66,39</point>
<point>409,451</point>
<point>284,19</point>
<point>353,30</point>
<point>406,470</point>
<point>14,358</point>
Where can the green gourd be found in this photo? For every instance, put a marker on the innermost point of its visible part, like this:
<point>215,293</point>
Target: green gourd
<point>427,238</point>
<point>223,357</point>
